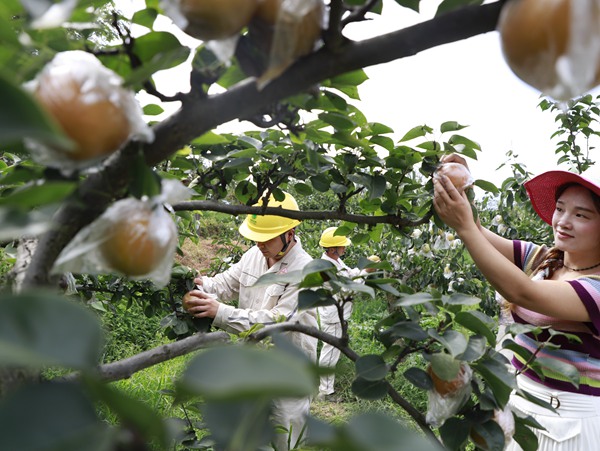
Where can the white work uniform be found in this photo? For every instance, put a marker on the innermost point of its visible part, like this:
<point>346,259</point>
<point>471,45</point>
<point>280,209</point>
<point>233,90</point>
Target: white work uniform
<point>267,305</point>
<point>329,321</point>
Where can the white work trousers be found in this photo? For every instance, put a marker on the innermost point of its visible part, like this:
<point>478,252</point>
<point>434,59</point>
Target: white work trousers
<point>290,413</point>
<point>329,357</point>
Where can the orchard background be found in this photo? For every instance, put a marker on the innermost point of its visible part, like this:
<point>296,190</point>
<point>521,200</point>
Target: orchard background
<point>102,362</point>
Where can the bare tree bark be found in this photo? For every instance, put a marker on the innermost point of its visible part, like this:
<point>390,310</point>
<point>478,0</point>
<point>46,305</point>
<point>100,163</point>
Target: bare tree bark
<point>125,368</point>
<point>25,250</point>
<point>201,114</point>
<point>236,210</point>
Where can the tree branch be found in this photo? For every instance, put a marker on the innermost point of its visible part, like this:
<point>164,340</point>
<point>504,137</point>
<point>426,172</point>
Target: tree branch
<point>235,210</point>
<point>123,369</point>
<point>199,115</point>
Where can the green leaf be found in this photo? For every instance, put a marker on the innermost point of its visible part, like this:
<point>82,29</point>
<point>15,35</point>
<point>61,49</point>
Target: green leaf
<point>153,110</point>
<point>375,431</point>
<point>498,377</point>
<point>404,329</point>
<point>460,299</point>
<point>371,367</point>
<point>314,298</point>
<point>378,128</point>
<point>22,117</point>
<point>39,194</point>
<point>132,412</point>
<point>479,323</point>
<point>157,51</point>
<point>450,5</point>
<point>411,4</point>
<point>384,284</point>
<point>519,350</point>
<point>454,433</point>
<point>317,265</point>
<point>359,288</point>
<point>376,186</point>
<point>229,373</point>
<point>487,186</point>
<point>241,425</point>
<point>320,182</point>
<point>445,366</point>
<point>476,348</point>
<point>413,299</point>
<point>371,390</point>
<point>416,132</point>
<point>419,378</point>
<point>525,437</point>
<point>292,277</point>
<point>152,45</point>
<point>245,190</point>
<point>454,342</point>
<point>303,189</point>
<point>383,141</point>
<point>491,433</point>
<point>15,223</point>
<point>145,17</point>
<point>235,163</point>
<point>37,329</point>
<point>338,121</point>
<point>564,369</point>
<point>57,417</point>
<point>451,126</point>
<point>232,76</point>
<point>353,78</point>
<point>469,144</point>
<point>210,139</point>
<point>145,181</point>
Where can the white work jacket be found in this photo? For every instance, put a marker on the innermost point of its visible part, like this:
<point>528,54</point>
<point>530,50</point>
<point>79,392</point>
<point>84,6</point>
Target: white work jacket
<point>329,314</point>
<point>263,304</point>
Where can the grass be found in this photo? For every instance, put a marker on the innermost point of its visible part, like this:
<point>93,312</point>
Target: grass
<point>198,256</point>
<point>148,386</point>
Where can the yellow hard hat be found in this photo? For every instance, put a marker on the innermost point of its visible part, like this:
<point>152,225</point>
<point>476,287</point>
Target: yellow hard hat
<point>328,239</point>
<point>261,228</point>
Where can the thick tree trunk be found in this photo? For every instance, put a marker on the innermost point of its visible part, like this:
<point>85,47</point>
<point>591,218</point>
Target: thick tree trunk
<point>12,378</point>
<point>25,251</point>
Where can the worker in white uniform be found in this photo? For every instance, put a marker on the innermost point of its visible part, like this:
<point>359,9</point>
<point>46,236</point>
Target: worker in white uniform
<point>277,250</point>
<point>329,318</point>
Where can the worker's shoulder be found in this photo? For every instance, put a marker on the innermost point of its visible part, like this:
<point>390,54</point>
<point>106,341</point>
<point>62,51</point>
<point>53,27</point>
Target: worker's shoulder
<point>300,258</point>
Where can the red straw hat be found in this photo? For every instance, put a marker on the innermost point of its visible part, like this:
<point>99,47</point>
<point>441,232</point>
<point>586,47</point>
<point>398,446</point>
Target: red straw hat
<point>542,190</point>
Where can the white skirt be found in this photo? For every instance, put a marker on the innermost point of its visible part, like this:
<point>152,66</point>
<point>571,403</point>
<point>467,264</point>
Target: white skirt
<point>574,427</point>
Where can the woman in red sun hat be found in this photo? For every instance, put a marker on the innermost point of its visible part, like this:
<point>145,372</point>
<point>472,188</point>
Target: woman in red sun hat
<point>557,287</point>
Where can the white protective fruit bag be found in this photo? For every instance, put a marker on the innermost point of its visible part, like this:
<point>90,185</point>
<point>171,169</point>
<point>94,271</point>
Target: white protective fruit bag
<point>441,407</point>
<point>135,238</point>
<point>458,174</point>
<point>297,29</point>
<point>90,105</point>
<point>553,45</point>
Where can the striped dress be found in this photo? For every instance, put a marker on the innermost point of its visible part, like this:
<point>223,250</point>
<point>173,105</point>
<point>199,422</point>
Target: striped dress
<point>575,425</point>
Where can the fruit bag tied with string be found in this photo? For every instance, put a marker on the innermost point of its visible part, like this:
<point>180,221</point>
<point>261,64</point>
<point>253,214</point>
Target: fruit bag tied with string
<point>553,45</point>
<point>91,107</point>
<point>447,396</point>
<point>458,174</point>
<point>296,26</point>
<point>134,238</point>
